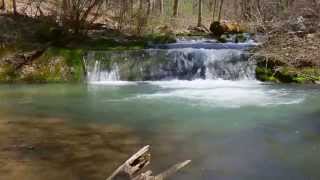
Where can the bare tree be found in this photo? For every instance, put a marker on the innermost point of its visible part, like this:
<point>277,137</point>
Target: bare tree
<point>3,5</point>
<point>76,14</point>
<point>161,6</point>
<point>149,7</point>
<point>214,10</point>
<point>175,8</point>
<point>14,7</point>
<point>199,13</point>
<point>220,10</point>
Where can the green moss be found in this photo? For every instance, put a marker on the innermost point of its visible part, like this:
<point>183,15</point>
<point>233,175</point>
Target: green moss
<point>300,80</point>
<point>160,38</point>
<point>289,74</point>
<point>54,65</point>
<point>4,51</point>
<point>133,43</point>
<point>265,74</point>
<point>109,44</point>
<point>223,38</point>
<point>286,75</point>
<point>241,38</point>
<point>7,73</point>
<point>72,58</point>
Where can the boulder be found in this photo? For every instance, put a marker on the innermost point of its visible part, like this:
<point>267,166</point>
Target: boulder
<point>297,24</point>
<point>219,28</point>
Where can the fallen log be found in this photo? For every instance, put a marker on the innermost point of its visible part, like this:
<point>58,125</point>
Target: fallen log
<point>130,169</point>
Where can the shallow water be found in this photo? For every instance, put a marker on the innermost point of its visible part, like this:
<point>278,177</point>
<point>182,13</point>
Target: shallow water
<point>229,129</point>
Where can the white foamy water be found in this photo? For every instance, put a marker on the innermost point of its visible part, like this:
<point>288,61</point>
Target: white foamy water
<point>96,74</point>
<point>227,76</point>
<point>213,93</point>
<point>222,93</point>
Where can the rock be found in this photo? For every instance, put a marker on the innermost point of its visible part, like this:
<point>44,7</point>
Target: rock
<point>297,24</point>
<point>217,29</point>
<point>311,36</point>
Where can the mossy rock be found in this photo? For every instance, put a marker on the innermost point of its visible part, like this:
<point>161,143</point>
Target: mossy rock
<point>7,73</point>
<point>265,74</point>
<point>240,38</point>
<point>288,74</point>
<point>223,39</point>
<point>160,38</point>
<point>59,64</point>
<point>54,65</point>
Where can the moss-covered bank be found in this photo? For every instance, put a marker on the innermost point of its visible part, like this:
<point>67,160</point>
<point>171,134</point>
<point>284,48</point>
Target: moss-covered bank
<point>53,65</point>
<point>60,63</point>
<point>287,74</point>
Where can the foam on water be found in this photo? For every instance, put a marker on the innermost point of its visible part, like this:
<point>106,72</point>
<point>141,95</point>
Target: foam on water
<point>222,93</point>
<point>210,93</point>
<point>221,74</point>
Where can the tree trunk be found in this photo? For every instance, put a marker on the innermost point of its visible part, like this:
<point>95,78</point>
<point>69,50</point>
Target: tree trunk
<point>220,10</point>
<point>214,10</point>
<point>14,7</point>
<point>161,7</point>
<point>200,13</point>
<point>140,5</point>
<point>245,10</point>
<point>149,7</point>
<point>175,8</point>
<point>2,5</point>
<point>236,8</point>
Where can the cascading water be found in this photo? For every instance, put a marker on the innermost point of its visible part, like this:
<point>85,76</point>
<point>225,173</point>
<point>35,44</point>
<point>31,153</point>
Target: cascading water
<point>183,61</point>
<point>96,73</point>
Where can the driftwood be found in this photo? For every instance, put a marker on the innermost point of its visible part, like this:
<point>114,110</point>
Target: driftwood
<point>136,163</point>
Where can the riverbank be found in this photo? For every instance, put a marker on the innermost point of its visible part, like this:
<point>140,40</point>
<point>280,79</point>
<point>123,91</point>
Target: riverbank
<point>291,53</point>
<point>36,51</point>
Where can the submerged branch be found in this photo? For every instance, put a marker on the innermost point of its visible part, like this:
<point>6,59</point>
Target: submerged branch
<point>137,162</point>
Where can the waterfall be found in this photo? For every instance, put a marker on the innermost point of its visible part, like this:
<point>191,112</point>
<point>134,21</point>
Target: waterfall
<point>96,73</point>
<point>180,62</point>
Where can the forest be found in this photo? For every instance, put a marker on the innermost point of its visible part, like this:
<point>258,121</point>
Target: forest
<point>288,28</point>
<point>228,88</point>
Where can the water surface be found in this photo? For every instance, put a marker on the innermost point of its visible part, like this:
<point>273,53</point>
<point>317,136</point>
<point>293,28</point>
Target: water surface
<point>229,129</point>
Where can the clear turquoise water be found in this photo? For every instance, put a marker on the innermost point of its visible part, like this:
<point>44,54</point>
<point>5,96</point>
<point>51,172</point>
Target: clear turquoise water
<point>230,130</point>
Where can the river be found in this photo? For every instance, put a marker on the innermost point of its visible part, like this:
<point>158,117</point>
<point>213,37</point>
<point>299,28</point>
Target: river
<point>231,126</point>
